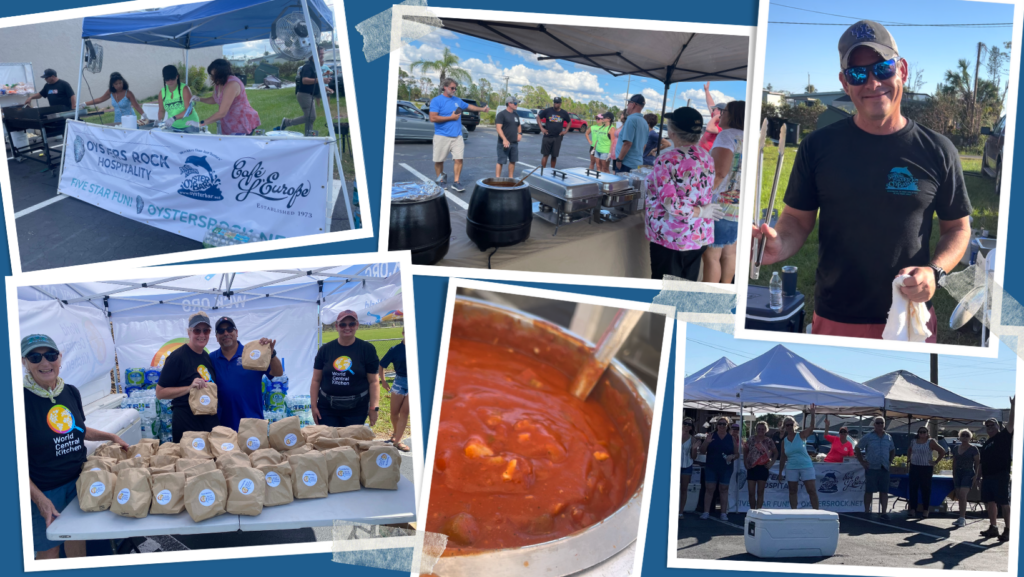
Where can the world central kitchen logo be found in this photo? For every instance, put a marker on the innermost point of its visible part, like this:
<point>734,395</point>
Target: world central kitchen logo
<point>200,182</point>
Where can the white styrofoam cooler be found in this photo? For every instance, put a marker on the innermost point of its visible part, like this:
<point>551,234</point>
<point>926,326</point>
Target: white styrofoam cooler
<point>770,533</point>
<point>125,422</point>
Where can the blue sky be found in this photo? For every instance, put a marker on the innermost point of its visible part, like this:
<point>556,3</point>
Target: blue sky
<point>987,381</point>
<point>484,59</point>
<point>793,51</point>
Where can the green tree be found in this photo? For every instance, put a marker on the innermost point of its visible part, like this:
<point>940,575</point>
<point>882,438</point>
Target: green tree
<point>446,67</point>
<point>810,89</point>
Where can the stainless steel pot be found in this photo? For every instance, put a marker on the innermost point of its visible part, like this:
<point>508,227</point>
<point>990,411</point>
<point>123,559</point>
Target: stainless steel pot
<point>628,402</point>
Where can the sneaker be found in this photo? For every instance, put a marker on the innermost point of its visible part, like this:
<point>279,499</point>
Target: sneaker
<point>992,531</point>
<point>442,180</point>
<point>282,125</point>
<point>1005,535</point>
<point>457,186</point>
<point>705,516</point>
<point>960,522</point>
<point>724,517</point>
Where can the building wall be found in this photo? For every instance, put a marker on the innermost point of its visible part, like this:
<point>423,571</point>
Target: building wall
<point>57,45</point>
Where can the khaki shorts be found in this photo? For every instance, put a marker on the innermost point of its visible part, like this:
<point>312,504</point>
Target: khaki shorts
<point>448,144</point>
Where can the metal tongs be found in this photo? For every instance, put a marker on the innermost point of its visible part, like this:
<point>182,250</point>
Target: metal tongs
<point>757,253</point>
<point>607,347</point>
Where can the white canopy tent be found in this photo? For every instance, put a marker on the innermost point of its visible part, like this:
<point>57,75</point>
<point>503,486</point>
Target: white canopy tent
<point>720,366</point>
<point>908,395</point>
<point>141,321</point>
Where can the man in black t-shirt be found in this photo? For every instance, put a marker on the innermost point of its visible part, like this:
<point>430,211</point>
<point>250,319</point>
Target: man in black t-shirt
<point>307,91</point>
<point>57,92</point>
<point>875,181</point>
<point>510,132</point>
<point>554,123</point>
<point>188,367</point>
<point>996,456</point>
<point>345,390</point>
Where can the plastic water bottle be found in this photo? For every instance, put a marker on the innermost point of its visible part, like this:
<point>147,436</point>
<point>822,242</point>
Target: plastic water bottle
<point>975,247</point>
<point>150,428</point>
<point>775,292</point>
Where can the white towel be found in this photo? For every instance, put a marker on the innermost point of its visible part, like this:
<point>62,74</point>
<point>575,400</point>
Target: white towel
<point>908,321</point>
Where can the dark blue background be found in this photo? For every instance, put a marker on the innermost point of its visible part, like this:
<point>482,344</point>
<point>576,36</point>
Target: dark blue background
<point>371,82</point>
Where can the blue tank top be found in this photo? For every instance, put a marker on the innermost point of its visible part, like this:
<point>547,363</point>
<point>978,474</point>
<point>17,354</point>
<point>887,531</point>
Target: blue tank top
<point>715,450</point>
<point>122,108</point>
<point>796,453</point>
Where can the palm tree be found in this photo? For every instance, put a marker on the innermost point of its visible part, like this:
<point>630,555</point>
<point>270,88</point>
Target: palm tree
<point>446,67</point>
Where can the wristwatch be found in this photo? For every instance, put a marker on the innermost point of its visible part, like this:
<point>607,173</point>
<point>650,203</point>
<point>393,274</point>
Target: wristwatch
<point>939,273</point>
<point>273,353</point>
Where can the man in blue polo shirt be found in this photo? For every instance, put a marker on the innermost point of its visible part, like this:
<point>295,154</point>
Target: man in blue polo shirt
<point>239,390</point>
<point>629,150</point>
<point>446,114</point>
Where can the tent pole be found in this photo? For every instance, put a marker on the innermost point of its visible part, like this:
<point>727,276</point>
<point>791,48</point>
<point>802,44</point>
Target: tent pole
<point>664,101</point>
<point>117,375</point>
<point>186,70</point>
<point>78,91</point>
<point>327,114</point>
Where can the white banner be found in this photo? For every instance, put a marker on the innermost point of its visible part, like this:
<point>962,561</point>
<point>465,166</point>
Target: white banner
<point>190,183</point>
<point>83,335</point>
<point>840,488</point>
<point>374,305</point>
<point>146,342</point>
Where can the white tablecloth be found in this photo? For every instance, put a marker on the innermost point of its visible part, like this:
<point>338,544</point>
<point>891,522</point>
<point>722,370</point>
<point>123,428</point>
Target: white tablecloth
<point>75,524</point>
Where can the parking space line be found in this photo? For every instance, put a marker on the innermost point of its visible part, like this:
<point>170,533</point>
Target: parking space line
<point>450,196</point>
<point>526,165</point>
<point>729,523</point>
<point>43,204</point>
<point>932,535</point>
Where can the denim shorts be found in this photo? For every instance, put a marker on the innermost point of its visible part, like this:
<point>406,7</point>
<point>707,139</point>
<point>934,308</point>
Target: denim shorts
<point>602,155</point>
<point>799,475</point>
<point>721,476</point>
<point>60,497</point>
<point>726,233</point>
<point>686,470</point>
<point>508,155</point>
<point>400,386</point>
<point>876,480</point>
<point>963,480</point>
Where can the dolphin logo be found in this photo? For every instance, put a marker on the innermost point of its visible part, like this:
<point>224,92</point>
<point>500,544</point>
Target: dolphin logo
<point>79,148</point>
<point>196,184</point>
<point>139,204</point>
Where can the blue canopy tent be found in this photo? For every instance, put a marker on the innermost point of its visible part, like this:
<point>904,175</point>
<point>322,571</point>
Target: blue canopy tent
<point>214,23</point>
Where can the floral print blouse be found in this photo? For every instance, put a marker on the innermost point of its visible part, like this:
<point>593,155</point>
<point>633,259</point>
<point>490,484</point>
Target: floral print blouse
<point>682,180</point>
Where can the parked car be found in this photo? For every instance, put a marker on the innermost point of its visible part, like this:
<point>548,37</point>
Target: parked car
<point>412,125</point>
<point>993,151</point>
<point>577,123</point>
<point>470,119</point>
<point>528,121</point>
<point>902,441</point>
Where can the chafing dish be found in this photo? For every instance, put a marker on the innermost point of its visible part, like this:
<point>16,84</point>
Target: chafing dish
<point>564,198</point>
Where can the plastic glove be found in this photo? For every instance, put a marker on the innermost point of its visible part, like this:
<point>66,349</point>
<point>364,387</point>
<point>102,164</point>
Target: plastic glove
<point>169,121</point>
<point>143,119</point>
<point>192,123</point>
<point>194,100</point>
<point>712,211</point>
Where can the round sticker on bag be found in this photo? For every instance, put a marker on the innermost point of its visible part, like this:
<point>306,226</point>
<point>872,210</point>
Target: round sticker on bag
<point>246,486</point>
<point>138,455</point>
<point>273,479</point>
<point>206,497</point>
<point>97,488</point>
<point>227,447</point>
<point>198,444</point>
<point>290,439</point>
<point>344,472</point>
<point>309,478</point>
<point>253,443</point>
<point>163,497</point>
<point>123,495</point>
<point>204,400</point>
<point>254,355</point>
<point>95,469</point>
<point>383,460</point>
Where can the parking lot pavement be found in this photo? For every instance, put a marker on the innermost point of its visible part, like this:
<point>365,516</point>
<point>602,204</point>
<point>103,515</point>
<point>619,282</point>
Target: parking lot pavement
<point>414,161</point>
<point>863,540</point>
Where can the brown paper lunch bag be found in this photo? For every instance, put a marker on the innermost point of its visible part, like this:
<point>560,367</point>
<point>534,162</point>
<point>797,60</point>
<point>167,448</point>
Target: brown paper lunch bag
<point>247,489</point>
<point>181,464</point>
<point>168,494</point>
<point>252,435</point>
<point>94,463</point>
<point>286,434</point>
<point>342,469</point>
<point>360,432</point>
<point>160,470</point>
<point>169,449</point>
<point>154,442</point>
<point>203,401</point>
<point>380,468</point>
<point>279,484</point>
<point>300,450</point>
<point>327,443</point>
<point>204,467</point>
<point>131,464</point>
<point>266,457</point>
<point>233,459</point>
<point>141,450</point>
<point>162,460</point>
<point>95,490</point>
<point>133,493</point>
<point>196,445</point>
<point>111,450</point>
<point>309,475</point>
<point>256,357</point>
<point>223,440</point>
<point>313,432</point>
<point>206,495</point>
<point>363,446</point>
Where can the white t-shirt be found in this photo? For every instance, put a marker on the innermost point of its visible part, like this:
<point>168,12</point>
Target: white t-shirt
<point>727,191</point>
<point>687,459</point>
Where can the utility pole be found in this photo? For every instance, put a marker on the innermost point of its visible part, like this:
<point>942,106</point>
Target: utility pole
<point>626,103</point>
<point>506,84</point>
<point>974,96</point>
<point>935,368</point>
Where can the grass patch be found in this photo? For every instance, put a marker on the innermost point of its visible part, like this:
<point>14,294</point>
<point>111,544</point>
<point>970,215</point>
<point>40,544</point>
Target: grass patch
<point>984,202</point>
<point>272,106</point>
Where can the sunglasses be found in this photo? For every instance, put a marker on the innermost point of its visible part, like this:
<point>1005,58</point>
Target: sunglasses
<point>879,422</point>
<point>347,325</point>
<point>723,424</point>
<point>221,331</point>
<point>198,331</point>
<point>858,75</point>
<point>36,358</point>
<point>788,425</point>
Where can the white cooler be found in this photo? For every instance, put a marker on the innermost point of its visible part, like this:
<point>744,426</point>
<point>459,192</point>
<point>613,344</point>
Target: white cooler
<point>791,533</point>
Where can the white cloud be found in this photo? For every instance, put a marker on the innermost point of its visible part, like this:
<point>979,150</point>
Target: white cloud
<point>555,79</point>
<point>532,57</point>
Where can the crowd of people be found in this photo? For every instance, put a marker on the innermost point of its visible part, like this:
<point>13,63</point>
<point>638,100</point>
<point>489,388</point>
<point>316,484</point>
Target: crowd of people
<point>346,381</point>
<point>721,451</point>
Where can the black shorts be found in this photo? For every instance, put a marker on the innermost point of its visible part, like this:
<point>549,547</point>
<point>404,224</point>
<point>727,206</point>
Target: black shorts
<point>335,418</point>
<point>758,473</point>
<point>550,145</point>
<point>183,420</point>
<point>995,488</point>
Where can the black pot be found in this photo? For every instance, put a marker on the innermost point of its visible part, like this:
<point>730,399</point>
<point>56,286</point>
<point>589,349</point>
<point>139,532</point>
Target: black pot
<point>423,227</point>
<point>499,215</point>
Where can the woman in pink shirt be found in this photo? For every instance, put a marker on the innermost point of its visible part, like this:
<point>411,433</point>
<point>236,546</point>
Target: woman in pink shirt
<point>234,113</point>
<point>841,445</point>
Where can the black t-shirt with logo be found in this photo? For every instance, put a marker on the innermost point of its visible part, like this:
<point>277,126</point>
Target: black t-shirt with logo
<point>875,197</point>
<point>396,355</point>
<point>554,121</point>
<point>995,453</point>
<point>344,369</point>
<point>56,438</point>
<point>509,122</point>
<point>308,70</point>
<point>182,367</point>
<point>58,94</point>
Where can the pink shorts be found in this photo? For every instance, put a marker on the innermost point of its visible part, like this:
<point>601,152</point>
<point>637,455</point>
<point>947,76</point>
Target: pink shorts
<point>823,326</point>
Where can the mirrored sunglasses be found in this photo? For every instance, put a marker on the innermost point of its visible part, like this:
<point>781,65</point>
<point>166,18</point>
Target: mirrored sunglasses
<point>858,75</point>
